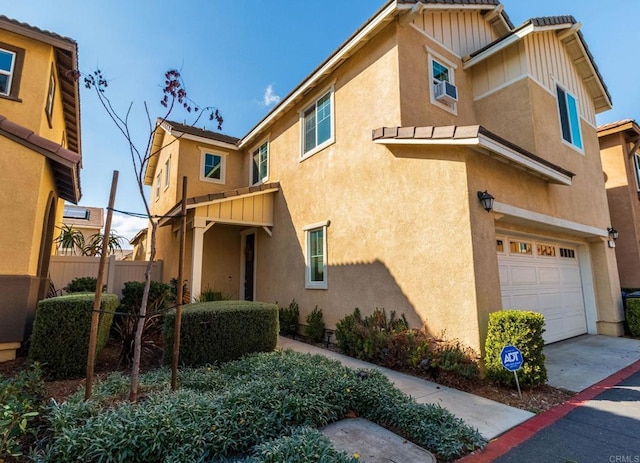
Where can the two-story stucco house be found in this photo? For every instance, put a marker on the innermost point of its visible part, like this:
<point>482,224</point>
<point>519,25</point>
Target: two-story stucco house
<point>39,165</point>
<point>361,187</point>
<point>620,152</point>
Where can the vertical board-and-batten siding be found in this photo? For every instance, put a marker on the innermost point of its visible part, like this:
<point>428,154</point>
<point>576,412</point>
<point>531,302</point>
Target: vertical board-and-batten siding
<point>499,70</point>
<point>257,209</point>
<point>549,60</point>
<point>462,32</point>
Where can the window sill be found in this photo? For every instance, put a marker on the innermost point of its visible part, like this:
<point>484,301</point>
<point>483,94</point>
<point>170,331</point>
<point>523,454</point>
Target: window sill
<point>11,98</point>
<point>317,149</point>
<point>315,286</point>
<point>212,180</point>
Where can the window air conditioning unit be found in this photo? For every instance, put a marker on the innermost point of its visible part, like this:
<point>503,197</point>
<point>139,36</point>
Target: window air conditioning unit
<point>446,92</point>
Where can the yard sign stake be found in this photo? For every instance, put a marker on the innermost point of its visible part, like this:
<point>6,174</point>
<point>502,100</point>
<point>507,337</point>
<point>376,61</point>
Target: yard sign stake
<point>95,314</point>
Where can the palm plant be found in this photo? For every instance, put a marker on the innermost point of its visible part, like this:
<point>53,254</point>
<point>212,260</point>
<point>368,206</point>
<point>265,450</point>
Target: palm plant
<point>69,240</point>
<point>94,246</point>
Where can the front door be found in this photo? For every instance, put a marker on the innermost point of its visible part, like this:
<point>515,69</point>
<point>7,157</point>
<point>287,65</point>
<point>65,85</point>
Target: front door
<point>249,266</point>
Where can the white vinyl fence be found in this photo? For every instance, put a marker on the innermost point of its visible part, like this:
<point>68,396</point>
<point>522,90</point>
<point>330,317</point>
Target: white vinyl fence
<point>63,269</point>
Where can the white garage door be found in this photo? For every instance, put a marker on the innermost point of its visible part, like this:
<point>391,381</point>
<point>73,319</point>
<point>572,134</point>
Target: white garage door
<point>543,276</point>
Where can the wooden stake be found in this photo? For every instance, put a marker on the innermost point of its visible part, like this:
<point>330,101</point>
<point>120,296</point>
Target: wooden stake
<point>95,314</point>
<point>179,292</point>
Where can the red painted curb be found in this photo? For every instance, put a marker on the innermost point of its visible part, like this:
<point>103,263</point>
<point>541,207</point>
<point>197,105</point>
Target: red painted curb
<point>516,436</point>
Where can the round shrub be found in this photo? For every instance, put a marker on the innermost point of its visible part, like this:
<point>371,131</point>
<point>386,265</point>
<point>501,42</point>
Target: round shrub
<point>632,314</point>
<point>522,329</point>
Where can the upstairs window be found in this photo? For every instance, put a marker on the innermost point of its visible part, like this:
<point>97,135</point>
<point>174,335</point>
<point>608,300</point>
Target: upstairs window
<point>260,164</point>
<point>443,92</point>
<point>636,162</point>
<point>51,93</point>
<point>569,119</point>
<point>158,187</point>
<point>167,165</point>
<point>7,69</point>
<point>212,167</point>
<point>317,125</point>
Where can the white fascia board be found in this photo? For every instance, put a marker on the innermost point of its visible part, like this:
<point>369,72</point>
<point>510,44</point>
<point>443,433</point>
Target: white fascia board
<point>208,141</point>
<point>336,59</point>
<point>520,159</point>
<point>447,6</point>
<point>513,211</point>
<point>491,145</point>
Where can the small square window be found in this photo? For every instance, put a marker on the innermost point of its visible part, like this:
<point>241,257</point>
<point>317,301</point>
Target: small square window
<point>213,167</point>
<point>520,247</point>
<point>7,66</point>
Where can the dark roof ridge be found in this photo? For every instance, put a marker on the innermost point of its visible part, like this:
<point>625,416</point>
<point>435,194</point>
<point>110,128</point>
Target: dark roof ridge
<point>38,30</point>
<point>192,130</point>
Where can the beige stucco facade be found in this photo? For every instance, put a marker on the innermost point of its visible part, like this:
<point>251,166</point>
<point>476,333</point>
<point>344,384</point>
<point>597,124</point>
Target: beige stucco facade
<point>39,142</point>
<point>403,225</point>
<point>619,154</point>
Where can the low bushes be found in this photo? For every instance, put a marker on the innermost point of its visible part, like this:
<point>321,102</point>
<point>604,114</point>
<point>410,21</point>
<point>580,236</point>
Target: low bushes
<point>82,285</point>
<point>21,401</point>
<point>289,317</point>
<point>522,329</point>
<point>60,339</point>
<point>221,331</point>
<point>265,407</point>
<point>632,315</point>
<point>388,341</point>
<point>314,329</point>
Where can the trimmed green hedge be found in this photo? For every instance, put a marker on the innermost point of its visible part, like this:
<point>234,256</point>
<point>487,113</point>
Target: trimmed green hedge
<point>221,331</point>
<point>632,314</point>
<point>60,339</point>
<point>522,329</point>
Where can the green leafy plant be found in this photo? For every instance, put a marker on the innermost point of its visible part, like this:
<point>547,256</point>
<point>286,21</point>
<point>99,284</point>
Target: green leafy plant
<point>60,339</point>
<point>82,285</point>
<point>522,329</point>
<point>69,240</point>
<point>263,407</point>
<point>289,318</point>
<point>125,322</point>
<point>314,329</point>
<point>210,295</point>
<point>22,400</point>
<point>632,315</point>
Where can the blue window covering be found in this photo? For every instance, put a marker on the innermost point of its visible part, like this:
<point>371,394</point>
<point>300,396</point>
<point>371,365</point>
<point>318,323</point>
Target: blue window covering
<point>572,108</point>
<point>569,119</point>
<point>213,166</point>
<point>6,61</point>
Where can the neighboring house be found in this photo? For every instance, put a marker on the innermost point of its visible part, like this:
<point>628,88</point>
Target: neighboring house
<point>620,154</point>
<point>360,188</point>
<point>139,243</point>
<point>87,220</point>
<point>39,165</point>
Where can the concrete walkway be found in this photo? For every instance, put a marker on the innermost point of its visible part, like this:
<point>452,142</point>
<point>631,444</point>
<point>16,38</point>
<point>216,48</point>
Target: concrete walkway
<point>489,417</point>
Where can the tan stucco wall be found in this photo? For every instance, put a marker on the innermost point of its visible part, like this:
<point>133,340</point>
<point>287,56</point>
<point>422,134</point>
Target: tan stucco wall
<point>624,205</point>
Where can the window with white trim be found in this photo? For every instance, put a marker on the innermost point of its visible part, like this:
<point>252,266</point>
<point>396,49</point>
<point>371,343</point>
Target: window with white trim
<point>569,118</point>
<point>260,164</point>
<point>441,71</point>
<point>212,167</point>
<point>317,125</point>
<point>167,166</point>
<point>51,93</point>
<point>7,67</point>
<point>316,256</point>
<point>158,178</point>
<point>636,163</point>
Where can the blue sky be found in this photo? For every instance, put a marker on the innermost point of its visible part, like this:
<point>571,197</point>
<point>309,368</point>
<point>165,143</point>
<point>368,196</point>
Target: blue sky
<point>234,54</point>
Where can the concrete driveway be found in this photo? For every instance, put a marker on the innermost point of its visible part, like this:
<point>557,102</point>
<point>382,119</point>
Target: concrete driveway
<point>577,363</point>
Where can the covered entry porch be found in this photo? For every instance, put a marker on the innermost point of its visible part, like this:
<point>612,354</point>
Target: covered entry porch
<point>222,239</point>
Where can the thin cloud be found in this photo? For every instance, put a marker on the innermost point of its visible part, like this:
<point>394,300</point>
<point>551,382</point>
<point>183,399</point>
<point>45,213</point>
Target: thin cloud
<point>127,226</point>
<point>270,98</point>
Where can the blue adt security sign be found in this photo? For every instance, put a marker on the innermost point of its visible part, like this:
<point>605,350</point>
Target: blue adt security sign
<point>511,358</point>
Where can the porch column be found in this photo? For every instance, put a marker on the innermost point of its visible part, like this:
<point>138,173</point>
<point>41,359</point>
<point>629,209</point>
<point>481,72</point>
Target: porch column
<point>199,227</point>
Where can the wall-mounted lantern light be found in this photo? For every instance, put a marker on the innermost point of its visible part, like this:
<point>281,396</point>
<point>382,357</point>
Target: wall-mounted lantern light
<point>613,236</point>
<point>486,200</point>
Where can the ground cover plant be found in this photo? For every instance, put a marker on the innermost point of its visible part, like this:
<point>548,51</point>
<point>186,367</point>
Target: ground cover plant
<point>262,408</point>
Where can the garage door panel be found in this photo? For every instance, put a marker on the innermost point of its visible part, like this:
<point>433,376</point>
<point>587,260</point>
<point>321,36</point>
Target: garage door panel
<point>547,284</point>
<point>521,275</point>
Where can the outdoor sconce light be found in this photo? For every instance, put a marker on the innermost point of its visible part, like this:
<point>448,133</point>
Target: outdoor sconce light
<point>486,200</point>
<point>613,236</point>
